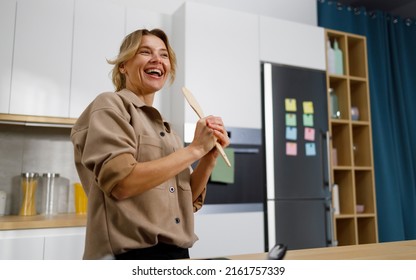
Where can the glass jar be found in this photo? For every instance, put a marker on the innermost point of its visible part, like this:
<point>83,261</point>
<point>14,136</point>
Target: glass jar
<point>29,183</point>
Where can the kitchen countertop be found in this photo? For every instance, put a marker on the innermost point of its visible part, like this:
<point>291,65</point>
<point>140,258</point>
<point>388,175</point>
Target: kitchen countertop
<point>398,250</point>
<point>42,221</point>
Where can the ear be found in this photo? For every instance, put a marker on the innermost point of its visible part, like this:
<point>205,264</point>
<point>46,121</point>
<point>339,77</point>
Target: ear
<point>122,69</point>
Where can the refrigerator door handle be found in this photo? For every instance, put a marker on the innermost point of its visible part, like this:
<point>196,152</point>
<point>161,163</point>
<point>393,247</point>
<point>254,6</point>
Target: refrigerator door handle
<point>330,210</point>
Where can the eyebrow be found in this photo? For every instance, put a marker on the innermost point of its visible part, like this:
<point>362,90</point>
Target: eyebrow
<point>147,47</point>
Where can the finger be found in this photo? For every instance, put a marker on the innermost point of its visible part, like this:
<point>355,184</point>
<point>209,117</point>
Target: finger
<point>216,123</point>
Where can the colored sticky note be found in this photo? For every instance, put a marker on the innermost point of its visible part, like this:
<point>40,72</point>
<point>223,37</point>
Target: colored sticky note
<point>291,149</point>
<point>291,119</point>
<point>308,107</point>
<point>309,134</point>
<point>308,119</point>
<point>291,133</point>
<point>310,149</point>
<point>290,104</point>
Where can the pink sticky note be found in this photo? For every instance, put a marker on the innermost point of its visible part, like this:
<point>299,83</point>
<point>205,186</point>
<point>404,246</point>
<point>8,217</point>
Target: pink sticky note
<point>291,149</point>
<point>309,134</point>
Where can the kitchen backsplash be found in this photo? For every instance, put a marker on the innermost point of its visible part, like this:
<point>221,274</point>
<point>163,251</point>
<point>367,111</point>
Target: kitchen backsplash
<point>33,149</point>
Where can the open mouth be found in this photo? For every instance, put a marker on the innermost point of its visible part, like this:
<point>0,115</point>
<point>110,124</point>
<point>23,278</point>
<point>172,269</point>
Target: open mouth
<point>154,72</point>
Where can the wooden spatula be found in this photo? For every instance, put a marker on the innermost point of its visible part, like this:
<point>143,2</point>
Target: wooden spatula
<point>198,110</point>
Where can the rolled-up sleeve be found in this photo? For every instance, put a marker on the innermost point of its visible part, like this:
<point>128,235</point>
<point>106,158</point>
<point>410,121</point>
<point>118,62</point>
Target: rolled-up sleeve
<point>200,200</point>
<point>114,170</point>
<point>110,148</point>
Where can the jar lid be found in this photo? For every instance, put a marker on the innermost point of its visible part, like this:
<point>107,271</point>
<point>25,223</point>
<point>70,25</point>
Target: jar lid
<point>50,175</point>
<point>30,175</point>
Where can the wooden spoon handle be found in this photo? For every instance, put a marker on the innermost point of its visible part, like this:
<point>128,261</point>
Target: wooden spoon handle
<point>198,110</point>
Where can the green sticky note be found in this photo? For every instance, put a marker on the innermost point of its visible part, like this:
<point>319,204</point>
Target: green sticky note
<point>222,173</point>
<point>308,119</point>
<point>290,119</point>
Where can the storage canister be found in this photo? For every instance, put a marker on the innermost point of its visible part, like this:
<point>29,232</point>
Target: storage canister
<point>29,183</point>
<point>50,193</point>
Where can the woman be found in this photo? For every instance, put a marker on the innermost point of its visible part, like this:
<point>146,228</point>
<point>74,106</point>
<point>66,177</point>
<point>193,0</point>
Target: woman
<point>142,192</point>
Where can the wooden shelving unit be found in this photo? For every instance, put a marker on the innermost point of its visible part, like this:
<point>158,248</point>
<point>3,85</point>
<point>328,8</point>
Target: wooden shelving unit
<point>352,164</point>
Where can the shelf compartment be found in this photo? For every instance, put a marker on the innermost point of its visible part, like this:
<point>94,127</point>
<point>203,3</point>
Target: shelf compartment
<point>344,180</point>
<point>359,98</point>
<point>366,227</point>
<point>364,191</point>
<point>357,56</point>
<point>342,44</point>
<point>346,233</point>
<point>340,89</point>
<point>362,148</point>
<point>341,141</point>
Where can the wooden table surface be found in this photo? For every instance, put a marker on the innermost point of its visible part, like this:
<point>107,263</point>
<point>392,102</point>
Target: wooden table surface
<point>399,250</point>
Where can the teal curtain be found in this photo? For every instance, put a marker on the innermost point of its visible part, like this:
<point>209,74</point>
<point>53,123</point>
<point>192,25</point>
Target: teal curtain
<point>391,49</point>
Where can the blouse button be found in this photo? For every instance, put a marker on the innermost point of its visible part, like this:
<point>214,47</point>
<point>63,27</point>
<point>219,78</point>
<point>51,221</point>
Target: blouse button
<point>162,133</point>
<point>172,189</point>
<point>177,220</point>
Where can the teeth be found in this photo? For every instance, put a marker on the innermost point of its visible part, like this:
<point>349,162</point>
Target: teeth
<point>154,71</point>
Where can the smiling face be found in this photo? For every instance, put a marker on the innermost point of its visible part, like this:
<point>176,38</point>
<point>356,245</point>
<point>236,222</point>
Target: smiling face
<point>147,71</point>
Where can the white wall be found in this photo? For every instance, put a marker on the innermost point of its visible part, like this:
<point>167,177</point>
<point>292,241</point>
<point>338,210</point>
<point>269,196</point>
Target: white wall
<point>302,11</point>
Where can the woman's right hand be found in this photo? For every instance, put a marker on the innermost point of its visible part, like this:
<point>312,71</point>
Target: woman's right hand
<point>204,137</point>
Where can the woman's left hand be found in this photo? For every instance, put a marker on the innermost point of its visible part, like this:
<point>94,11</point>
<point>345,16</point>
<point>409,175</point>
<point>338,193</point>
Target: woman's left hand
<point>217,126</point>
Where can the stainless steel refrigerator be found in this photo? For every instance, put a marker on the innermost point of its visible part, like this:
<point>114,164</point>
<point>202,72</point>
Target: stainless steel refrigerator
<point>296,143</point>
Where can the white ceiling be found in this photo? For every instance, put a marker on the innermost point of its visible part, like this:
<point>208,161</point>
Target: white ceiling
<point>402,8</point>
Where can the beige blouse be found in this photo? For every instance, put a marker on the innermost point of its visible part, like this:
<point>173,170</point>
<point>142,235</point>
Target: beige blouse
<point>116,131</point>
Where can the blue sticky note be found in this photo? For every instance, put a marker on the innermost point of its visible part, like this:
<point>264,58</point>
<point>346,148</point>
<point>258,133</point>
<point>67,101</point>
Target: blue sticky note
<point>291,133</point>
<point>310,149</point>
<point>291,119</point>
<point>308,119</point>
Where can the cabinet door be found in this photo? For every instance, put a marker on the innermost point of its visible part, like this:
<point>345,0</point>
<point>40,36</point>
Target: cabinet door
<point>66,245</point>
<point>98,32</point>
<point>7,18</point>
<point>25,248</point>
<point>21,245</point>
<point>291,43</point>
<point>220,64</point>
<point>42,58</point>
<point>227,234</point>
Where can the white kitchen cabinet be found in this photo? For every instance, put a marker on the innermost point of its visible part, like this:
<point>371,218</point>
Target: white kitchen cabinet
<point>98,33</point>
<point>228,233</point>
<point>292,43</point>
<point>38,244</point>
<point>7,19</point>
<point>68,245</point>
<point>21,248</point>
<point>42,58</point>
<point>218,60</point>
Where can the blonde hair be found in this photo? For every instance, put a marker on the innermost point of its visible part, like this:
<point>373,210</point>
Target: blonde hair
<point>128,49</point>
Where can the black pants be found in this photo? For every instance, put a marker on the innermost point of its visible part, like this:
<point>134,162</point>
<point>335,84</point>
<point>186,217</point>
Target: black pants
<point>160,251</point>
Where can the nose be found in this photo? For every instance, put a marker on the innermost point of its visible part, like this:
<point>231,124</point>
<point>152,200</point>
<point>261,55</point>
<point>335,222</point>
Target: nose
<point>156,58</point>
